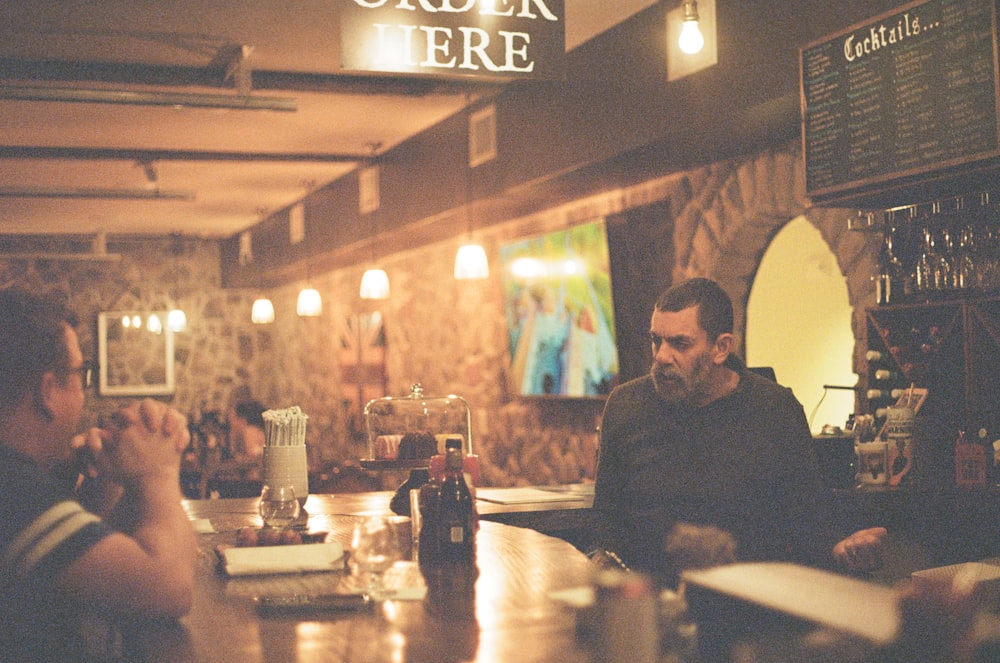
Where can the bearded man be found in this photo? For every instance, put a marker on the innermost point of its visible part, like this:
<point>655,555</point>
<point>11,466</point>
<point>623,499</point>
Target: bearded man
<point>706,447</point>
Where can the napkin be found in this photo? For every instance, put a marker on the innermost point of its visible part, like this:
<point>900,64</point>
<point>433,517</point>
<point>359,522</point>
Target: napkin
<point>284,559</point>
<point>202,526</point>
<point>983,575</point>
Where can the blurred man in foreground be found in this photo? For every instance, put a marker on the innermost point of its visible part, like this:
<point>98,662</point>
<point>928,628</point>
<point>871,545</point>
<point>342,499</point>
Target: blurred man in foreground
<point>109,536</point>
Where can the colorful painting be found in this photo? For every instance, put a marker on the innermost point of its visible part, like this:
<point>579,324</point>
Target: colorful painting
<point>560,313</point>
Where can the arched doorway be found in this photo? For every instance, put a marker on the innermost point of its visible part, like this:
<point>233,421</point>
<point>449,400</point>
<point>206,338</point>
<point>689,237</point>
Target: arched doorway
<point>798,321</point>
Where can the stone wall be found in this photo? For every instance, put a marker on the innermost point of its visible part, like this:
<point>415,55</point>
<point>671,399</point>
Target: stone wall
<point>446,334</point>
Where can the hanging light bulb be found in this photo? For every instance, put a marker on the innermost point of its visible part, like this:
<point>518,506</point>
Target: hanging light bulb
<point>262,312</point>
<point>375,284</point>
<point>177,320</point>
<point>471,262</point>
<point>310,303</point>
<point>691,40</point>
<point>154,324</point>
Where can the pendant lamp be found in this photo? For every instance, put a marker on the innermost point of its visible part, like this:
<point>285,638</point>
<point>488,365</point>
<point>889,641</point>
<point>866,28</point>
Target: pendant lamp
<point>374,282</point>
<point>310,303</point>
<point>262,312</point>
<point>470,260</point>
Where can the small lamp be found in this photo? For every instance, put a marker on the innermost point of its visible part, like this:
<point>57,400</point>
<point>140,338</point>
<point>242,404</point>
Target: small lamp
<point>262,312</point>
<point>177,320</point>
<point>310,303</point>
<point>375,284</point>
<point>471,262</point>
<point>691,40</point>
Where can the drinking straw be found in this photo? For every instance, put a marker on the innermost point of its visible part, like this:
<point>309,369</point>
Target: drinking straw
<point>285,427</point>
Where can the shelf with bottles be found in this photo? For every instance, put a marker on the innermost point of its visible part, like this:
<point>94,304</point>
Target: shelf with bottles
<point>951,348</point>
<point>983,378</point>
<point>938,250</point>
<point>908,341</point>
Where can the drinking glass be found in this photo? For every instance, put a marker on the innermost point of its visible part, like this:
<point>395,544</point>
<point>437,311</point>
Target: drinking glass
<point>375,547</point>
<point>278,505</point>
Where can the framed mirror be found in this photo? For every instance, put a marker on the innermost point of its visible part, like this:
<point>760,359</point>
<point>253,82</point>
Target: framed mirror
<point>135,353</point>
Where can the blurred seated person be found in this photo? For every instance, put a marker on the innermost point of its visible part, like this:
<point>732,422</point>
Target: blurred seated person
<point>207,453</point>
<point>90,523</point>
<point>234,470</point>
<point>246,431</point>
<point>702,442</point>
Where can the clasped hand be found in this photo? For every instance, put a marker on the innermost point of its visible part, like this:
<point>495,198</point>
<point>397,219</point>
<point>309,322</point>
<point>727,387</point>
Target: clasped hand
<point>142,442</point>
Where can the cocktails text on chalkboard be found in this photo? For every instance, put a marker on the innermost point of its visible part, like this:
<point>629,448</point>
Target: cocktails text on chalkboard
<point>903,97</point>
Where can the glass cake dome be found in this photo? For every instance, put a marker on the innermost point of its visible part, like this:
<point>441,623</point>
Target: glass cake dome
<point>405,432</point>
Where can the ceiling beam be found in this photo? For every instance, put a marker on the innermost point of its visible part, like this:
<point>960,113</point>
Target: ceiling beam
<point>146,98</point>
<point>57,71</point>
<point>95,193</point>
<point>133,154</point>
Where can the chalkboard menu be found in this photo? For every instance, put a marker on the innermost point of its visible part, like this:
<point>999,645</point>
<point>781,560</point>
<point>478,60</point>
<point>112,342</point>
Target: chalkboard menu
<point>908,94</point>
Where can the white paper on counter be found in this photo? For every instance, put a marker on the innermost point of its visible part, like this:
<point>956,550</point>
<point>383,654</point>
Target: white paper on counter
<point>524,495</point>
<point>202,526</point>
<point>984,575</point>
<point>302,558</point>
<point>837,601</point>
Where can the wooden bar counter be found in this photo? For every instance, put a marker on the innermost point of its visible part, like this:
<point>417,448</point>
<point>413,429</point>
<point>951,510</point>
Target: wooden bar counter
<point>510,617</point>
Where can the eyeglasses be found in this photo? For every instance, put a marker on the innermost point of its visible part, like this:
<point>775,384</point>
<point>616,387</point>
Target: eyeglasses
<point>87,371</point>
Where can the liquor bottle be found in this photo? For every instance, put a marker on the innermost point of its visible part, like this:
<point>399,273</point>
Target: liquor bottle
<point>970,463</point>
<point>991,445</point>
<point>889,280</point>
<point>885,375</point>
<point>884,394</point>
<point>456,526</point>
<point>428,551</point>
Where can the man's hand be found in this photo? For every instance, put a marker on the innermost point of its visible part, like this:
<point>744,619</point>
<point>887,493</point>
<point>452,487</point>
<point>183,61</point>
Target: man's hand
<point>861,551</point>
<point>146,440</point>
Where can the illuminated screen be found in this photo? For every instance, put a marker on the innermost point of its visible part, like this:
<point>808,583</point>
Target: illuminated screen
<point>560,313</point>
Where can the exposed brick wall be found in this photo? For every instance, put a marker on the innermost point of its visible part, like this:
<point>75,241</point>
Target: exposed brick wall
<point>447,335</point>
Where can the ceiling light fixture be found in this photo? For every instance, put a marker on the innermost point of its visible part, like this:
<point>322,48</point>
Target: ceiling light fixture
<point>310,303</point>
<point>374,282</point>
<point>176,318</point>
<point>262,312</point>
<point>147,98</point>
<point>691,40</point>
<point>470,260</point>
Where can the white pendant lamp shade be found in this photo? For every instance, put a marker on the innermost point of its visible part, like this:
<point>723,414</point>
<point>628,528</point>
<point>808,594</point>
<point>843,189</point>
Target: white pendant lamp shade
<point>471,262</point>
<point>375,284</point>
<point>262,312</point>
<point>310,303</point>
<point>177,320</point>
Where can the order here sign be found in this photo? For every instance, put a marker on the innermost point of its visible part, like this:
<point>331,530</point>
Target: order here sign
<point>505,39</point>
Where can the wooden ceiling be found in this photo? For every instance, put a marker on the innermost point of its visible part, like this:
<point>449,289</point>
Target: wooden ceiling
<point>198,171</point>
